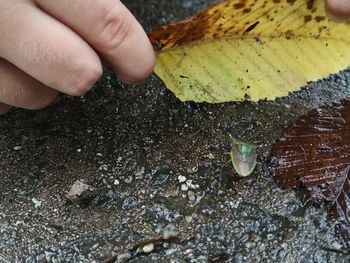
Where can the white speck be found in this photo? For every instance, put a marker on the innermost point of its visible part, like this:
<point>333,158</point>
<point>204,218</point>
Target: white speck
<point>17,148</point>
<point>194,169</point>
<point>98,154</point>
<point>36,202</point>
<point>116,182</point>
<point>184,187</point>
<point>79,150</point>
<point>103,167</point>
<point>95,246</point>
<point>189,251</point>
<point>19,223</point>
<point>181,178</point>
<point>211,156</point>
<point>191,185</point>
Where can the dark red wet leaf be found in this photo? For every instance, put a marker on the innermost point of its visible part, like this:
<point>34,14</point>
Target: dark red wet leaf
<point>314,153</point>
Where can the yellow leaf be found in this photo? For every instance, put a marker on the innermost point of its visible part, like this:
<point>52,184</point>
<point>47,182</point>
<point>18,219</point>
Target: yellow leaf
<point>246,49</point>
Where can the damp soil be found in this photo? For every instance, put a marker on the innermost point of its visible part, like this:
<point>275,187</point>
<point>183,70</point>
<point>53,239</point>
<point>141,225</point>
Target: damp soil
<point>158,167</point>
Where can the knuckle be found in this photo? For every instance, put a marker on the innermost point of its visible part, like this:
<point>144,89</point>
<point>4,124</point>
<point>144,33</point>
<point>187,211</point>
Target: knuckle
<point>114,27</point>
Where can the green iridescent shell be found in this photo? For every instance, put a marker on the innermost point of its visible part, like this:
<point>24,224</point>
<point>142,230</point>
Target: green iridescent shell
<point>243,157</point>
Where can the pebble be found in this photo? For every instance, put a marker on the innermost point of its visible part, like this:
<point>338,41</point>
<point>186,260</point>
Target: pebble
<point>128,180</point>
<point>17,148</point>
<point>184,187</point>
<point>139,173</point>
<point>148,248</point>
<point>188,219</point>
<point>170,230</point>
<point>211,156</point>
<point>116,182</point>
<point>181,178</point>
<point>103,167</point>
<point>191,196</point>
<point>81,193</point>
<point>123,257</point>
<point>190,184</point>
<point>129,202</point>
<point>37,203</point>
<point>188,250</point>
<point>95,246</point>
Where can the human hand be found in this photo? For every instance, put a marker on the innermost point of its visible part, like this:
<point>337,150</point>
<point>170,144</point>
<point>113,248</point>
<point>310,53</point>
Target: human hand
<point>55,46</point>
<point>338,10</point>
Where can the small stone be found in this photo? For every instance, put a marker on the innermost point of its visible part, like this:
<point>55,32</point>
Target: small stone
<point>170,251</point>
<point>188,250</point>
<point>170,230</point>
<point>123,257</point>
<point>188,219</point>
<point>128,180</point>
<point>79,150</point>
<point>81,193</point>
<point>184,187</point>
<point>211,156</point>
<point>181,178</point>
<point>148,248</point>
<point>36,202</point>
<point>17,148</point>
<point>139,173</point>
<point>191,196</point>
<point>129,202</point>
<point>103,167</point>
<point>336,245</point>
<point>116,182</point>
<point>95,246</point>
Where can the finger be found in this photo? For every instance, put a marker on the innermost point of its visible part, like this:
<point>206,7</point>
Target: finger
<point>338,10</point>
<point>4,108</point>
<point>109,27</point>
<point>20,90</point>
<point>46,49</point>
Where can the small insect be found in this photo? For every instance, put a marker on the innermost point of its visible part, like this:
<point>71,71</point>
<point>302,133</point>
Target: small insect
<point>243,157</point>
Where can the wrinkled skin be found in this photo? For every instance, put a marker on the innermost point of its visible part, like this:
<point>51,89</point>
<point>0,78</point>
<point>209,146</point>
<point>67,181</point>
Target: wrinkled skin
<point>59,45</point>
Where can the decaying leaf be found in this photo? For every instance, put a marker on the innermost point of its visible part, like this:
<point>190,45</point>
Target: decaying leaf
<point>239,50</point>
<point>243,157</point>
<point>314,153</point>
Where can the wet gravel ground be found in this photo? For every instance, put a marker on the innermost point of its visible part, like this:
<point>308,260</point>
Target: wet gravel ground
<point>156,166</point>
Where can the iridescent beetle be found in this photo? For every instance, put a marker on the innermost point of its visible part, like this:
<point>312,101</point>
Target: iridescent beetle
<point>243,157</point>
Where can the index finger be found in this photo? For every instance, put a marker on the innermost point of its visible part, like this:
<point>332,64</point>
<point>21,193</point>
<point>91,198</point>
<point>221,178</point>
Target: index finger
<point>110,28</point>
<point>338,10</point>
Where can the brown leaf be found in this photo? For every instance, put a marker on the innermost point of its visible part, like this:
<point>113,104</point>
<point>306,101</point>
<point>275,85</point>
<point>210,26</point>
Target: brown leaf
<point>314,153</point>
